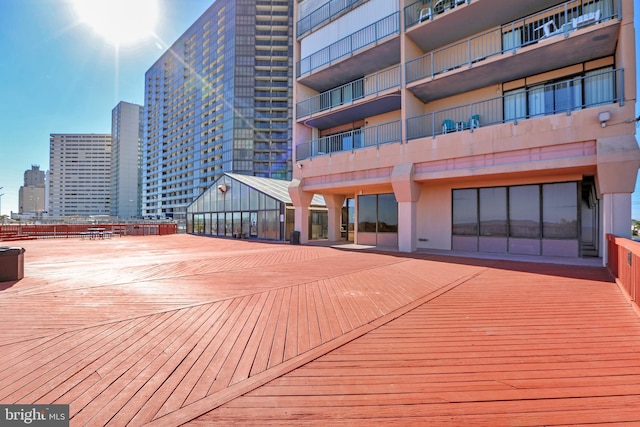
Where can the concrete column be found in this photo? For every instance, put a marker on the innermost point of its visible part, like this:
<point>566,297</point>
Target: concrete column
<point>407,223</point>
<point>407,193</point>
<point>301,201</point>
<point>618,160</point>
<point>334,204</point>
<point>616,219</point>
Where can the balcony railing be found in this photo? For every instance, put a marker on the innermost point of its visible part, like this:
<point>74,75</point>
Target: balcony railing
<point>562,97</point>
<point>346,46</point>
<point>324,13</point>
<point>426,10</point>
<point>351,92</point>
<point>559,20</point>
<point>373,136</point>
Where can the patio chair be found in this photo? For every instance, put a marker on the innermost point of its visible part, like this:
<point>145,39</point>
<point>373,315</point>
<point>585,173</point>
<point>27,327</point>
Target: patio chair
<point>586,19</point>
<point>448,125</point>
<point>425,13</point>
<point>474,121</point>
<point>549,29</point>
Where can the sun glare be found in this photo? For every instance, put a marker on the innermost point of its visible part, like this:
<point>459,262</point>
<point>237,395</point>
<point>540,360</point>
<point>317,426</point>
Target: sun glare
<point>121,22</point>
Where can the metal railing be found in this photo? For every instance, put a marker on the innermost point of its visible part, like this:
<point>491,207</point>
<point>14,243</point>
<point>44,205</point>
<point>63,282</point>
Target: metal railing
<point>66,231</point>
<point>350,92</point>
<point>426,10</point>
<point>346,46</point>
<point>323,14</point>
<point>557,20</point>
<point>568,95</point>
<point>372,136</point>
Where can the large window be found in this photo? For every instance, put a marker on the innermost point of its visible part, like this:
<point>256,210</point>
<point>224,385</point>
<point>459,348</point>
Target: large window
<point>555,98</point>
<point>524,211</point>
<point>493,211</point>
<point>548,211</point>
<point>378,213</point>
<point>465,212</point>
<point>560,211</point>
<point>593,88</point>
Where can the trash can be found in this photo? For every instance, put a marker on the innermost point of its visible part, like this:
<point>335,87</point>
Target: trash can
<point>11,263</point>
<point>294,238</point>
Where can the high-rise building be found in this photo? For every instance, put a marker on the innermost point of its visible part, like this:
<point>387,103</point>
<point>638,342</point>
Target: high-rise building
<point>79,175</point>
<point>126,160</point>
<point>34,177</point>
<point>31,196</point>
<point>470,125</point>
<point>219,100</point>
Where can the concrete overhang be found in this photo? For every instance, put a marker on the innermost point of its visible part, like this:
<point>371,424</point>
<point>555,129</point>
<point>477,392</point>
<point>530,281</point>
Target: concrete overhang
<point>470,19</point>
<point>356,111</point>
<point>354,66</point>
<point>546,55</point>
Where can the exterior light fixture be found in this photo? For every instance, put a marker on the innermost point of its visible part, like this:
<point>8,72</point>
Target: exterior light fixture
<point>603,117</point>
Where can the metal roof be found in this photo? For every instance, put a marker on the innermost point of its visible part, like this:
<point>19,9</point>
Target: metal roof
<point>276,188</point>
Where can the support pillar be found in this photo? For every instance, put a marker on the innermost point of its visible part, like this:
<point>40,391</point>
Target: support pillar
<point>334,204</point>
<point>407,192</point>
<point>618,160</point>
<point>301,202</point>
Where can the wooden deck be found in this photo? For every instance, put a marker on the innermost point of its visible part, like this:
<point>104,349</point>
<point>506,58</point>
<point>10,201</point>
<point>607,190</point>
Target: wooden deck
<point>177,330</point>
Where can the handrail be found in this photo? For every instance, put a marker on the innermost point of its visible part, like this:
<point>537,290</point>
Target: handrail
<point>558,20</point>
<point>372,136</point>
<point>65,231</point>
<point>322,14</point>
<point>423,10</point>
<point>623,262</point>
<point>350,92</point>
<point>364,37</point>
<point>608,87</point>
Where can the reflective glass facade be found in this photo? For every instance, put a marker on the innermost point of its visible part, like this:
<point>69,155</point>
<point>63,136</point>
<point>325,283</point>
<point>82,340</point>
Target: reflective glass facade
<point>523,219</point>
<point>219,100</point>
<point>230,208</point>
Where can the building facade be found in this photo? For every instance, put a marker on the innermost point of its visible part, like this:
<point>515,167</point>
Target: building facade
<point>126,160</point>
<point>79,175</point>
<point>219,100</point>
<point>470,125</point>
<point>31,195</point>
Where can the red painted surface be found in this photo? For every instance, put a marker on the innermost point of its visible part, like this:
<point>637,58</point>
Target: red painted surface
<point>624,265</point>
<point>174,330</point>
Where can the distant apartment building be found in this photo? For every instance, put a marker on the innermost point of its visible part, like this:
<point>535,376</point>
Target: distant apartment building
<point>79,175</point>
<point>126,160</point>
<point>31,195</point>
<point>493,126</point>
<point>219,100</point>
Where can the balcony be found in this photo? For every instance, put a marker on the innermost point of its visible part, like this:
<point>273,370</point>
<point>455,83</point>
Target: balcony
<point>372,48</point>
<point>373,136</point>
<point>467,18</point>
<point>595,89</point>
<point>325,13</point>
<point>348,103</point>
<point>555,38</point>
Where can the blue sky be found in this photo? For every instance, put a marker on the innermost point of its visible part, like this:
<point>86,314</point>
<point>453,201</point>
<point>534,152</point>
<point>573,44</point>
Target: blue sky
<point>59,76</point>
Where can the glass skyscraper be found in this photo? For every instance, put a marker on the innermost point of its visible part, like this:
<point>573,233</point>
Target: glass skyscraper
<point>219,100</point>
